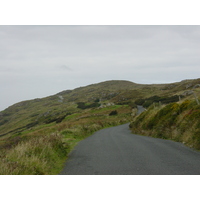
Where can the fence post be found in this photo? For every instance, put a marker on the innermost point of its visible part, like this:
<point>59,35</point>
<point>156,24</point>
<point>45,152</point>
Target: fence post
<point>197,100</point>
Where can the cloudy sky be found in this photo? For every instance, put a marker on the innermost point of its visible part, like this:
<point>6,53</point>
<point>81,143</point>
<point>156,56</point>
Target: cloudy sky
<point>38,61</point>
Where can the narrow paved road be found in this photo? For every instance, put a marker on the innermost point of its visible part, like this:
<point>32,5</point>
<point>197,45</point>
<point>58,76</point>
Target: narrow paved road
<point>140,109</point>
<point>115,151</point>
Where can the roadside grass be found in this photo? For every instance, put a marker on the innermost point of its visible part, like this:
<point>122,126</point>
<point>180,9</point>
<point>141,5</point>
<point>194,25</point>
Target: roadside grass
<point>44,151</point>
<point>176,121</point>
<point>24,125</point>
<point>35,155</point>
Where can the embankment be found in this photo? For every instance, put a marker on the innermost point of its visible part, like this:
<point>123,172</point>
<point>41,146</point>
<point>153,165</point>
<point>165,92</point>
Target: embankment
<point>176,121</point>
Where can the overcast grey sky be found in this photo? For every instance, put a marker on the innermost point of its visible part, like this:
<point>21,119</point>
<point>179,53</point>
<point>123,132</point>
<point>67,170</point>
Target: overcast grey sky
<point>38,61</point>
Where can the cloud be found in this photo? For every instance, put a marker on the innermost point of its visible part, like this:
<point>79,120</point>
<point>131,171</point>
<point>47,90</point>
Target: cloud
<point>65,67</point>
<point>39,61</point>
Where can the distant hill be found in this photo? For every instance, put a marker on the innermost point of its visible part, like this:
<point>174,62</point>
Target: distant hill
<point>55,108</point>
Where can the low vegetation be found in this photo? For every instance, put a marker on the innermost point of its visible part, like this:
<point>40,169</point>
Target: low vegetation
<point>34,155</point>
<point>175,121</point>
<point>156,99</point>
<point>45,149</point>
<point>37,135</point>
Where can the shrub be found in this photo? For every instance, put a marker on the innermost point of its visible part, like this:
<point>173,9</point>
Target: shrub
<point>132,104</point>
<point>156,99</point>
<point>140,101</point>
<point>82,105</point>
<point>147,103</point>
<point>114,112</point>
<point>184,105</point>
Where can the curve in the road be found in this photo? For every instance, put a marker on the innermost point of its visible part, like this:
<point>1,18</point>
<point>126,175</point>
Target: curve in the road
<point>116,151</point>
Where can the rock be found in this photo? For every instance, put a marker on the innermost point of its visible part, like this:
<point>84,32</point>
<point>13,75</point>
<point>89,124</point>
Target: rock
<point>188,85</point>
<point>197,85</point>
<point>60,98</point>
<point>186,93</point>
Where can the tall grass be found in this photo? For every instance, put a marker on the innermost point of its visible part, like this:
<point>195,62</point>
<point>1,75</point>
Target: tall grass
<point>175,121</point>
<point>37,155</point>
<point>44,151</point>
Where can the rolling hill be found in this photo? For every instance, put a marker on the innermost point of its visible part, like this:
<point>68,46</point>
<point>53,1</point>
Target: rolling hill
<point>54,109</point>
<point>36,136</point>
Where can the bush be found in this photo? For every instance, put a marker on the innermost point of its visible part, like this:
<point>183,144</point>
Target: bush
<point>82,105</point>
<point>132,104</point>
<point>148,103</point>
<point>140,101</point>
<point>114,112</point>
<point>156,99</point>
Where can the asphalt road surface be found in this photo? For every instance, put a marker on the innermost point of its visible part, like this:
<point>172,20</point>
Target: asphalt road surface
<point>116,151</point>
<point>140,109</point>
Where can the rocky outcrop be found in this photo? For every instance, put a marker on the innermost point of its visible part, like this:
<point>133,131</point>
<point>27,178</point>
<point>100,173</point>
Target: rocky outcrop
<point>196,86</point>
<point>60,98</point>
<point>104,105</point>
<point>187,93</point>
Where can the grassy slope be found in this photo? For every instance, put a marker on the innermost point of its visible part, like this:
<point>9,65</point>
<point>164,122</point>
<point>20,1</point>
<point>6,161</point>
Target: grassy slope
<point>43,150</point>
<point>28,114</point>
<point>60,124</point>
<point>176,121</point>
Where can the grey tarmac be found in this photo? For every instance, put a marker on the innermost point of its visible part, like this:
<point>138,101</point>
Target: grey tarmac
<point>116,151</point>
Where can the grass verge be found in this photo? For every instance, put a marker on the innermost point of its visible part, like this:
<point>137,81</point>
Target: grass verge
<point>44,151</point>
<point>176,121</point>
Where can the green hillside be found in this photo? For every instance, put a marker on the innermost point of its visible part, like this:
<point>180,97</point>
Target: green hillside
<point>55,108</point>
<point>39,133</point>
<point>176,121</point>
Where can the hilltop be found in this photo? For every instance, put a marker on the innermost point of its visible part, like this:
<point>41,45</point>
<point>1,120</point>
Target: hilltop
<point>27,114</point>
